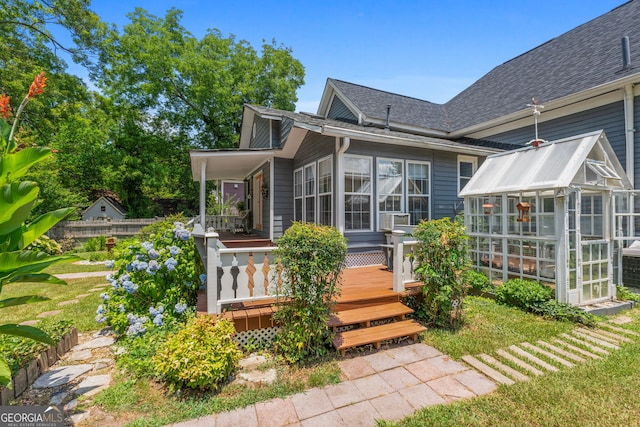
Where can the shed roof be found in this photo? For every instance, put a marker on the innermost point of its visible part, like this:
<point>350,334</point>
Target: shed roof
<point>552,165</point>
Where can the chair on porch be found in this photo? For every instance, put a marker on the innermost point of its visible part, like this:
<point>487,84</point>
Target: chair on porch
<point>241,223</point>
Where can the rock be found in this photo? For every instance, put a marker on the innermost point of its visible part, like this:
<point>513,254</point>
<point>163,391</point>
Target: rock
<point>61,376</point>
<point>79,355</point>
<point>621,320</point>
<point>252,362</point>
<point>82,295</point>
<point>71,301</point>
<point>93,385</point>
<point>79,417</point>
<point>57,398</point>
<point>103,332</point>
<point>259,377</point>
<point>29,322</point>
<point>71,405</point>
<point>102,363</point>
<point>96,343</point>
<point>49,313</point>
<point>119,351</point>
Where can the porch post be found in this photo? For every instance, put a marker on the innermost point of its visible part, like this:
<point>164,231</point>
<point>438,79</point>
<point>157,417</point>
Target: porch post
<point>203,194</point>
<point>212,273</point>
<point>562,248</point>
<point>398,260</point>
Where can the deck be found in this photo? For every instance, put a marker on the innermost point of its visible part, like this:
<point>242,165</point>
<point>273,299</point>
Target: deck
<point>361,287</point>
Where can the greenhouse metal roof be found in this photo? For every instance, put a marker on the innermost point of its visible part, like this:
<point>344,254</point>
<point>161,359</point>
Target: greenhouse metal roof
<point>551,165</point>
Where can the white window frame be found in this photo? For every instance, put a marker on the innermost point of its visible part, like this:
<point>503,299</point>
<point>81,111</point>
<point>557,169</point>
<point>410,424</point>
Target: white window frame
<point>371,194</point>
<point>474,168</point>
<point>408,196</point>
<point>310,194</point>
<point>325,193</point>
<point>298,216</point>
<point>402,185</point>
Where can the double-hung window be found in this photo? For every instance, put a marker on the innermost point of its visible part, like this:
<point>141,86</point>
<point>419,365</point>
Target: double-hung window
<point>418,190</point>
<point>357,192</point>
<point>312,192</point>
<point>325,191</point>
<point>467,166</point>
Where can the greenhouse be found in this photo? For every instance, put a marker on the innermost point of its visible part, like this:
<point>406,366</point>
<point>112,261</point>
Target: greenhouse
<point>557,212</point>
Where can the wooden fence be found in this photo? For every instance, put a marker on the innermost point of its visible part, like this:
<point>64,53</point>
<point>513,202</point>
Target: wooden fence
<point>81,230</point>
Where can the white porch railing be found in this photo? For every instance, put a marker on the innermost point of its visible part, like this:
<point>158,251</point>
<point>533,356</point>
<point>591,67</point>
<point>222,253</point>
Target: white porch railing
<point>403,260</point>
<point>236,275</point>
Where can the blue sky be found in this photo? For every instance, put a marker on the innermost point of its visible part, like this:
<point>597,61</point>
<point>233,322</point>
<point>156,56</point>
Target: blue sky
<point>427,49</point>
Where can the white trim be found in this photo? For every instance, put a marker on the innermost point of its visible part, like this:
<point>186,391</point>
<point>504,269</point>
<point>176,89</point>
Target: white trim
<point>297,217</point>
<point>314,192</point>
<point>429,195</point>
<point>403,189</point>
<point>329,193</point>
<point>474,167</point>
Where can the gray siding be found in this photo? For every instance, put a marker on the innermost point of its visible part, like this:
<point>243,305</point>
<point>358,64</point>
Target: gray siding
<point>608,117</point>
<point>283,201</point>
<point>276,142</point>
<point>285,128</point>
<point>444,186</point>
<point>313,147</point>
<point>262,138</point>
<point>636,141</point>
<point>339,111</point>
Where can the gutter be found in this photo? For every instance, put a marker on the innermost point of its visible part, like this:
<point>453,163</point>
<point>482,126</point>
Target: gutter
<point>340,150</point>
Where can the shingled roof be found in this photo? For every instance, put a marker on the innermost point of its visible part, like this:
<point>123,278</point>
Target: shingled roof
<point>583,58</point>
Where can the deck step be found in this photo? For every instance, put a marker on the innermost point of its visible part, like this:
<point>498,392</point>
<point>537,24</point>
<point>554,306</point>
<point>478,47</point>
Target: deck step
<point>366,315</point>
<point>376,334</point>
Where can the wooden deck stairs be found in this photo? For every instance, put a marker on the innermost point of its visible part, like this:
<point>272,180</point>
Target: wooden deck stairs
<point>396,327</point>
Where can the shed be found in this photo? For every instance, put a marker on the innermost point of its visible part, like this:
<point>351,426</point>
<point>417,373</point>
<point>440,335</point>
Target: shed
<point>547,213</point>
<point>105,207</point>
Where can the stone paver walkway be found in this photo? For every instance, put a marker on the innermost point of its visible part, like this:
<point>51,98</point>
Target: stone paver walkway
<point>389,385</point>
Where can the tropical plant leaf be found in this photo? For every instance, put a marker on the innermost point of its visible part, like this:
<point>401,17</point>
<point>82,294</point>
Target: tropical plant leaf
<point>5,373</point>
<point>5,131</point>
<point>27,299</point>
<point>16,165</point>
<point>23,264</point>
<point>16,201</point>
<point>36,278</point>
<point>42,224</point>
<point>26,332</point>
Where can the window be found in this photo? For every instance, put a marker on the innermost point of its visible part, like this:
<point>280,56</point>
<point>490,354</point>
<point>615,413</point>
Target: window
<point>418,190</point>
<point>313,192</point>
<point>310,193</point>
<point>390,182</point>
<point>297,195</point>
<point>466,168</point>
<point>103,208</point>
<point>325,191</point>
<point>357,193</point>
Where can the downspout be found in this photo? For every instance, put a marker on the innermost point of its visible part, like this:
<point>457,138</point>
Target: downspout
<point>203,194</point>
<point>340,150</point>
<point>630,130</point>
<point>272,184</point>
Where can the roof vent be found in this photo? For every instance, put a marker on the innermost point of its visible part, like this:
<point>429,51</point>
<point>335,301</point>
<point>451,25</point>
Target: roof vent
<point>386,125</point>
<point>626,53</point>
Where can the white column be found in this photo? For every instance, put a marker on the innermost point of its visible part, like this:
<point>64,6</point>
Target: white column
<point>203,194</point>
<point>212,273</point>
<point>398,260</point>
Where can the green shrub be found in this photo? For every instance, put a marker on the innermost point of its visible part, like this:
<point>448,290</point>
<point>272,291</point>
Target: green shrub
<point>99,256</point>
<point>553,309</point>
<point>155,280</point>
<point>524,294</point>
<point>624,294</point>
<point>312,258</point>
<point>442,256</point>
<point>201,356</point>
<point>95,244</point>
<point>478,281</point>
<point>46,245</point>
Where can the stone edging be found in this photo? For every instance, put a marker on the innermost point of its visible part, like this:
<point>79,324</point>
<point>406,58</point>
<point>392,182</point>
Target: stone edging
<point>27,375</point>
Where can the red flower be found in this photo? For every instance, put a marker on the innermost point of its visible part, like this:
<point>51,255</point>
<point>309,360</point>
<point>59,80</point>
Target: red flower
<point>37,87</point>
<point>5,108</point>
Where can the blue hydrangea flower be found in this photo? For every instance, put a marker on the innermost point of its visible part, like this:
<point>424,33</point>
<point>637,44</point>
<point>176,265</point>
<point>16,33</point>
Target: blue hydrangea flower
<point>147,246</point>
<point>158,320</point>
<point>180,307</point>
<point>153,254</point>
<point>171,264</point>
<point>155,311</point>
<point>174,250</point>
<point>203,279</point>
<point>129,267</point>
<point>101,318</point>
<point>121,308</point>
<point>153,265</point>
<point>136,329</point>
<point>100,309</point>
<point>104,296</point>
<point>130,287</point>
<point>182,234</point>
<point>109,263</point>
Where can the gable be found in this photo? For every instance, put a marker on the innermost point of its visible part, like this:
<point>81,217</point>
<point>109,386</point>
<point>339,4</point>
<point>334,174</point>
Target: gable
<point>339,111</point>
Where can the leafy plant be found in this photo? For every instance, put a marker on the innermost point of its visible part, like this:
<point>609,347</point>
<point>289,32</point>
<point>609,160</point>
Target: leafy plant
<point>624,294</point>
<point>523,294</point>
<point>46,245</point>
<point>442,256</point>
<point>312,257</point>
<point>563,311</point>
<point>201,356</point>
<point>95,244</point>
<point>478,281</point>
<point>156,279</point>
<point>17,199</point>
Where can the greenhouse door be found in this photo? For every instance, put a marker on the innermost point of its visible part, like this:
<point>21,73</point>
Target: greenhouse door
<point>626,227</point>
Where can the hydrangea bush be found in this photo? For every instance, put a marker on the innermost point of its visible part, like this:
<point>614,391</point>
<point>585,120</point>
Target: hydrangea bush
<point>156,280</point>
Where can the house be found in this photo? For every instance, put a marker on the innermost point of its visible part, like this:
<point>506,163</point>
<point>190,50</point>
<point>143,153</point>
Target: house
<point>369,159</point>
<point>105,207</point>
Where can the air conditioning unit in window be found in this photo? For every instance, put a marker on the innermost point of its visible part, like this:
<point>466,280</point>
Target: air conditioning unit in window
<point>392,221</point>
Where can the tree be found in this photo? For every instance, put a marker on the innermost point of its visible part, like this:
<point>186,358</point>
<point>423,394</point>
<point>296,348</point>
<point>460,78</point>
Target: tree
<point>196,86</point>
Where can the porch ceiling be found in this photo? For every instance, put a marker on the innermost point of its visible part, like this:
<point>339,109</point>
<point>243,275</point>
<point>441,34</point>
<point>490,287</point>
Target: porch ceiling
<point>228,165</point>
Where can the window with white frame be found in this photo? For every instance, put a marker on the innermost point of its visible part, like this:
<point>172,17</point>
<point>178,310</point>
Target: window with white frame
<point>418,190</point>
<point>357,192</point>
<point>310,193</point>
<point>298,193</point>
<point>390,186</point>
<point>467,166</point>
<point>325,191</point>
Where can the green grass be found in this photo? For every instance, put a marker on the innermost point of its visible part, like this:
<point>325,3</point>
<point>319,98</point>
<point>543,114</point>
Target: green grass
<point>490,326</point>
<point>72,267</point>
<point>81,315</point>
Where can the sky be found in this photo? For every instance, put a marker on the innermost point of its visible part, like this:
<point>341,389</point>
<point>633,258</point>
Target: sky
<point>428,49</point>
